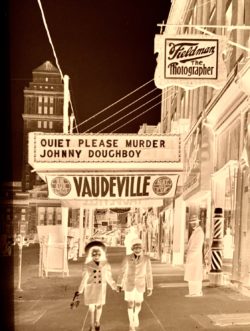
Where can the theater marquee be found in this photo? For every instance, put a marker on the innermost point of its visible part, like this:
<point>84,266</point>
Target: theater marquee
<point>83,151</point>
<point>190,61</point>
<point>125,186</point>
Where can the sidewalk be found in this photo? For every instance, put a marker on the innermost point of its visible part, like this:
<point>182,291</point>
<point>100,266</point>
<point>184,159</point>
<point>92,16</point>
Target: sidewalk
<point>44,304</point>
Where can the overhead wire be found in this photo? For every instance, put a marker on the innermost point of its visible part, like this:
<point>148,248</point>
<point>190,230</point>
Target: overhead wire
<point>49,37</point>
<point>119,119</point>
<point>119,111</point>
<point>114,103</point>
<point>54,52</point>
<point>169,96</point>
<point>171,88</point>
<point>95,115</point>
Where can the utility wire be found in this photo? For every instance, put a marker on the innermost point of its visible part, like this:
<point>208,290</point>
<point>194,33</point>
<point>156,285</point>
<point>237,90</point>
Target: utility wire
<point>172,87</point>
<point>53,50</point>
<point>101,111</point>
<point>121,118</point>
<point>119,111</point>
<point>143,112</point>
<point>49,37</point>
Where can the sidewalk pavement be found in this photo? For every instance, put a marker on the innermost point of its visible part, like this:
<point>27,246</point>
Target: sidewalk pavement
<point>44,304</point>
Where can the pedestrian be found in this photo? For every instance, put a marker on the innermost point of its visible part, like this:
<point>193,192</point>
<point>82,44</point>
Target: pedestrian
<point>194,259</point>
<point>135,276</point>
<point>130,236</point>
<point>96,275</point>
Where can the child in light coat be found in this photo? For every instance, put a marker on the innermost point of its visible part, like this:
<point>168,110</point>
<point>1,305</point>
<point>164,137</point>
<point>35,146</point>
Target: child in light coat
<point>135,278</point>
<point>96,275</point>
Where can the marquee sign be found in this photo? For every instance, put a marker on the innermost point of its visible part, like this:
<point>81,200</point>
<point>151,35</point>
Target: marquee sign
<point>111,186</point>
<point>190,61</point>
<point>87,151</point>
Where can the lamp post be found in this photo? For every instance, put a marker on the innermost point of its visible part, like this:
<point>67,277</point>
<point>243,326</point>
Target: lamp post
<point>20,240</point>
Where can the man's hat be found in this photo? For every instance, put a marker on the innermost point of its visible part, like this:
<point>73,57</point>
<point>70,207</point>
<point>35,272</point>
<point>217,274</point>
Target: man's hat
<point>95,243</point>
<point>136,241</point>
<point>194,219</point>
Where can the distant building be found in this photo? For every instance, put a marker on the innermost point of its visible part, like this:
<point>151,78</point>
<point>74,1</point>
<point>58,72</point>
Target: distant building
<point>25,204</point>
<point>14,208</point>
<point>149,129</point>
<point>43,111</point>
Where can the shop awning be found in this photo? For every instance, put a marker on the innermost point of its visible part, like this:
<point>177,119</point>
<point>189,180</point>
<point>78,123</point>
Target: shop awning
<point>116,203</point>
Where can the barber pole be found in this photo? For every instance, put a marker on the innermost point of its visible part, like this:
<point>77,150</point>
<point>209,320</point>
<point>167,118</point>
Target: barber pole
<point>217,245</point>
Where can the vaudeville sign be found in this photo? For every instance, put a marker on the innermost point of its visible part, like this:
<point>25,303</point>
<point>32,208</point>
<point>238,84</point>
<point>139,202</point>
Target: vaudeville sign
<point>190,61</point>
<point>124,186</point>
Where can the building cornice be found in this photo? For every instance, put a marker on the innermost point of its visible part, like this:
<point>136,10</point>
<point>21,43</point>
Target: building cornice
<point>31,93</point>
<point>42,117</point>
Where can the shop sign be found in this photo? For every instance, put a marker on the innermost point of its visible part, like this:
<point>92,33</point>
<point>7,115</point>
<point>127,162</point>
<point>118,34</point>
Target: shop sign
<point>112,186</point>
<point>54,150</point>
<point>190,61</point>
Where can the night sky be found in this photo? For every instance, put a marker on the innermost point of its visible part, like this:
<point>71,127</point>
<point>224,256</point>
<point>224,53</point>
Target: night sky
<point>105,46</point>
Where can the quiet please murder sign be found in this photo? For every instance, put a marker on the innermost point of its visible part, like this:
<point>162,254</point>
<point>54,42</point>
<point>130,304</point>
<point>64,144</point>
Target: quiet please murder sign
<point>88,148</point>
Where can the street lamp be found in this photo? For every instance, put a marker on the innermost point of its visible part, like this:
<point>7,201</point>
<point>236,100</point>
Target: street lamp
<point>20,240</point>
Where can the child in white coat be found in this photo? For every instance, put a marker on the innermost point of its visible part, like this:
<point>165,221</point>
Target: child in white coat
<point>135,278</point>
<point>96,275</point>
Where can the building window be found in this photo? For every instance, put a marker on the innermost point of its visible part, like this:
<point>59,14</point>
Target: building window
<point>51,110</point>
<point>58,215</point>
<point>39,124</point>
<point>41,215</point>
<point>39,109</point>
<point>45,99</point>
<point>50,213</point>
<point>228,145</point>
<point>40,99</point>
<point>50,124</point>
<point>51,100</point>
<point>45,110</point>
<point>46,79</point>
<point>45,124</point>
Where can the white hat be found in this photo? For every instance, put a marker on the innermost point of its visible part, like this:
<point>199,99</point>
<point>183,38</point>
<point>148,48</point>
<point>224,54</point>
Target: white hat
<point>194,219</point>
<point>136,241</point>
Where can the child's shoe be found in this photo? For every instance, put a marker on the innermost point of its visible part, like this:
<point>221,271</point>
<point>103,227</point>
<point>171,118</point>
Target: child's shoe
<point>97,327</point>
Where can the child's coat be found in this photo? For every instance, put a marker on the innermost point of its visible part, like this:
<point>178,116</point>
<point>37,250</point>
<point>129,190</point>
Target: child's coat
<point>94,282</point>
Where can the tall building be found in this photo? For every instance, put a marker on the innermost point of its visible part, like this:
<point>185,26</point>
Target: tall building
<point>43,111</point>
<point>216,142</point>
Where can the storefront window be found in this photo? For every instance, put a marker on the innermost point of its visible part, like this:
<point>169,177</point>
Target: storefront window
<point>50,212</point>
<point>58,215</point>
<point>228,145</point>
<point>41,215</point>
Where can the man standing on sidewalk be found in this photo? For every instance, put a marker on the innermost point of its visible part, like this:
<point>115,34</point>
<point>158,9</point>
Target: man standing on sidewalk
<point>135,276</point>
<point>194,259</point>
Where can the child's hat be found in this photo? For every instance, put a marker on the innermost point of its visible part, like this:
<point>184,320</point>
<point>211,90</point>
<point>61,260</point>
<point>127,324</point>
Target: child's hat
<point>95,243</point>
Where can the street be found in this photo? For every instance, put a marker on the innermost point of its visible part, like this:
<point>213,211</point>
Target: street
<point>44,303</point>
